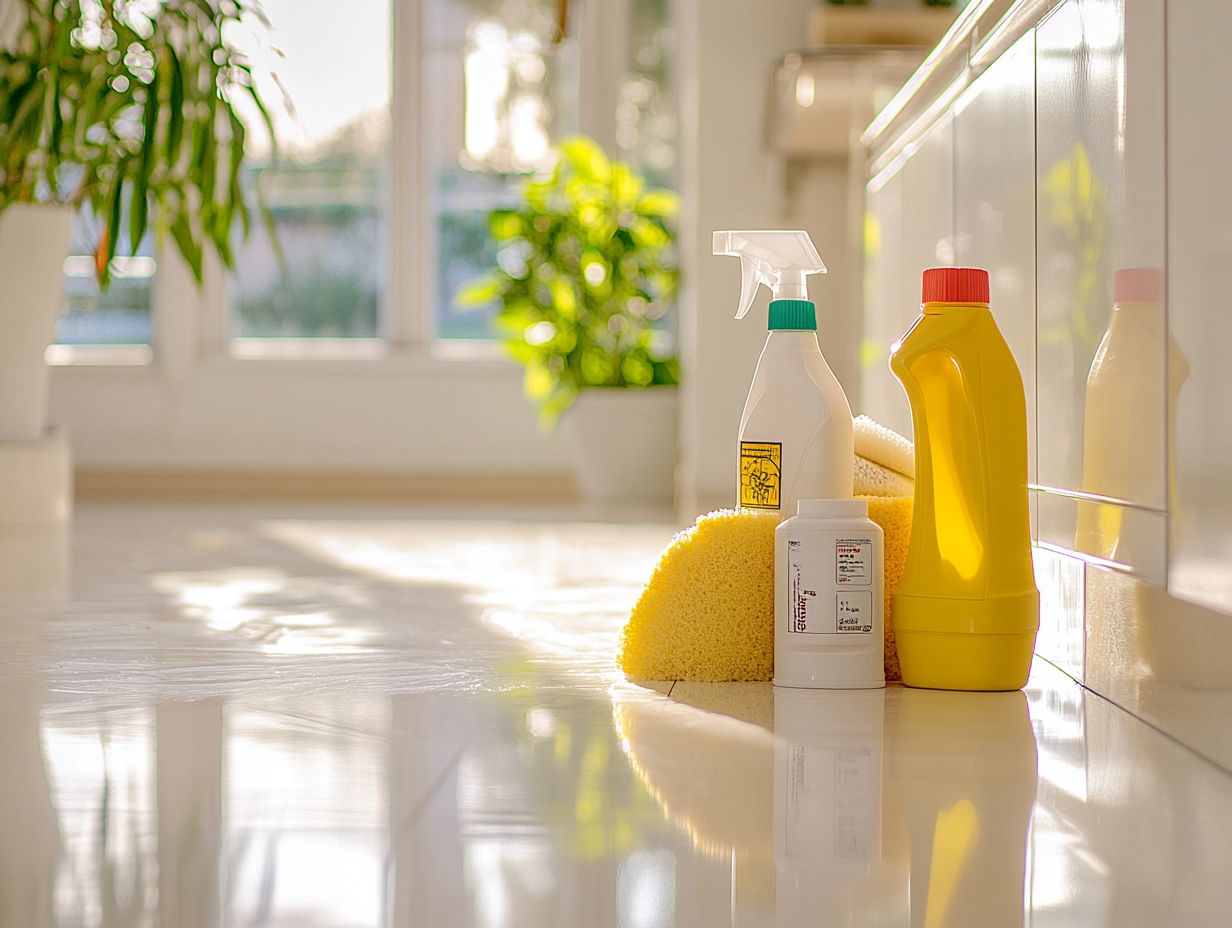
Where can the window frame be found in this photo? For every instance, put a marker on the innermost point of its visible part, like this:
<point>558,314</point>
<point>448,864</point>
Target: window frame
<point>177,384</point>
<point>408,317</point>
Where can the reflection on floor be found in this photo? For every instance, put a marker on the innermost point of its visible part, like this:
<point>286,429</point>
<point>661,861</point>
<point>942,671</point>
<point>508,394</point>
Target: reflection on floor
<point>361,716</point>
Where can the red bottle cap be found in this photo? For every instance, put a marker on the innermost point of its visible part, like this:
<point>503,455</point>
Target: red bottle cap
<point>955,285</point>
<point>1138,285</point>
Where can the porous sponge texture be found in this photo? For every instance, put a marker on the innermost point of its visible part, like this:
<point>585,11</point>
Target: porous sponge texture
<point>876,443</point>
<point>874,480</point>
<point>893,514</point>
<point>707,612</point>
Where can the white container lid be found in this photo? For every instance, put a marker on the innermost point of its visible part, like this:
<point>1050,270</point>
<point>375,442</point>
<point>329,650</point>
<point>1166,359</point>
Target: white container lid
<point>833,508</point>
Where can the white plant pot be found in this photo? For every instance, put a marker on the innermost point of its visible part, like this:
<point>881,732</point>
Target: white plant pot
<point>624,443</point>
<point>33,243</point>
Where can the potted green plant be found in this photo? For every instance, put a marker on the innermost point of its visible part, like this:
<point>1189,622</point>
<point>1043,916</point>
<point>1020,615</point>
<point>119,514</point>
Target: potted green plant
<point>128,109</point>
<point>584,286</point>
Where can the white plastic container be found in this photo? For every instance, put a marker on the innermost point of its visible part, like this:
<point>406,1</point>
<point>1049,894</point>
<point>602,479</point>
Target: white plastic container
<point>829,628</point>
<point>796,433</point>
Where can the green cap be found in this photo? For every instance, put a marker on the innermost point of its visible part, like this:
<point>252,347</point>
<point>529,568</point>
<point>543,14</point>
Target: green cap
<point>793,315</point>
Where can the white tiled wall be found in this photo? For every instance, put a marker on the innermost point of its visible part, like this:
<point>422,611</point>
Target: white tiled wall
<point>994,207</point>
<point>910,226</point>
<point>1099,208</point>
<point>884,302</point>
<point>1199,291</point>
<point>1057,167</point>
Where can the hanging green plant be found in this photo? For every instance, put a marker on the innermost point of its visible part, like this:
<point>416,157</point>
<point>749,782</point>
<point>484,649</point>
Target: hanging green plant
<point>585,280</point>
<point>130,108</point>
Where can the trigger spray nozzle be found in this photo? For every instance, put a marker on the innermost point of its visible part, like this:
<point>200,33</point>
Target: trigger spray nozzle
<point>781,260</point>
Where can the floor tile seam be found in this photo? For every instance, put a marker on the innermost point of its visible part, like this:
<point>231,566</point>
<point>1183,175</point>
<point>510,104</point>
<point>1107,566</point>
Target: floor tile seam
<point>1225,772</point>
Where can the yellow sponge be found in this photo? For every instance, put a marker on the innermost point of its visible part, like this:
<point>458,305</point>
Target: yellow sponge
<point>893,514</point>
<point>883,446</point>
<point>872,479</point>
<point>707,612</point>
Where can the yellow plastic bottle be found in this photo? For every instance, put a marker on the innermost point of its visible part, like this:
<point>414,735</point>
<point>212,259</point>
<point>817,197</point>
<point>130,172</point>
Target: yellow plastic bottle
<point>967,610</point>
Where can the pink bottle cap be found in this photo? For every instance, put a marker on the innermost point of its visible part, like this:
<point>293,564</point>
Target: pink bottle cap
<point>1138,285</point>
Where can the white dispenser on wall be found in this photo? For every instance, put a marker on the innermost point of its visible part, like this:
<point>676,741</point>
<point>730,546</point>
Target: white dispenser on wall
<point>795,434</point>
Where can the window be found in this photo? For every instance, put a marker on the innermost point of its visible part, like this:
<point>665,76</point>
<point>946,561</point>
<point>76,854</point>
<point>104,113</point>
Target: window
<point>494,92</point>
<point>646,111</point>
<point>409,121</point>
<point>327,187</point>
<point>499,93</point>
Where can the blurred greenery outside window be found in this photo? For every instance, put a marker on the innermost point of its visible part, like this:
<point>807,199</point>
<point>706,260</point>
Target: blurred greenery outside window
<point>327,187</point>
<point>502,96</point>
<point>119,315</point>
<point>497,95</point>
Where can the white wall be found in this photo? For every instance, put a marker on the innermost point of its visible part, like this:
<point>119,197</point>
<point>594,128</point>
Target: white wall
<point>729,180</point>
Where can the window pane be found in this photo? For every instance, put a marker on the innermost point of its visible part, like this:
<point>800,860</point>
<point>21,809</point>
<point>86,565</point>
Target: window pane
<point>500,94</point>
<point>328,186</point>
<point>646,113</point>
<point>121,315</point>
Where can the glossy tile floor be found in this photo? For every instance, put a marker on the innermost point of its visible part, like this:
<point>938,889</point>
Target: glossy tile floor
<point>299,716</point>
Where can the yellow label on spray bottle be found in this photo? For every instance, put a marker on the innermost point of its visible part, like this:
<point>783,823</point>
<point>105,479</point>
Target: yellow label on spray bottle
<point>761,471</point>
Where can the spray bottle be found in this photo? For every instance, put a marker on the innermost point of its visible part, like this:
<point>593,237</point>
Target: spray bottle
<point>795,434</point>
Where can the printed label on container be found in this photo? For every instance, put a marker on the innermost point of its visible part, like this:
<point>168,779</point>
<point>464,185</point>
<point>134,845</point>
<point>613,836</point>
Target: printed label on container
<point>846,613</point>
<point>803,596</point>
<point>853,612</point>
<point>761,471</point>
<point>853,561</point>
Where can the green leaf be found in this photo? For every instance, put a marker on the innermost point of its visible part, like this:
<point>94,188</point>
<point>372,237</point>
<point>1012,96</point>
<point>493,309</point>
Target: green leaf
<point>54,115</point>
<point>28,109</point>
<point>537,382</point>
<point>241,206</point>
<point>649,234</point>
<point>479,293</point>
<point>666,372</point>
<point>659,203</point>
<point>585,158</point>
<point>175,104</point>
<point>564,297</point>
<point>206,157</point>
<point>636,370</point>
<point>266,119</point>
<point>181,231</point>
<point>112,231</point>
<point>625,186</point>
<point>505,224</point>
<point>138,211</point>
<point>138,214</point>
